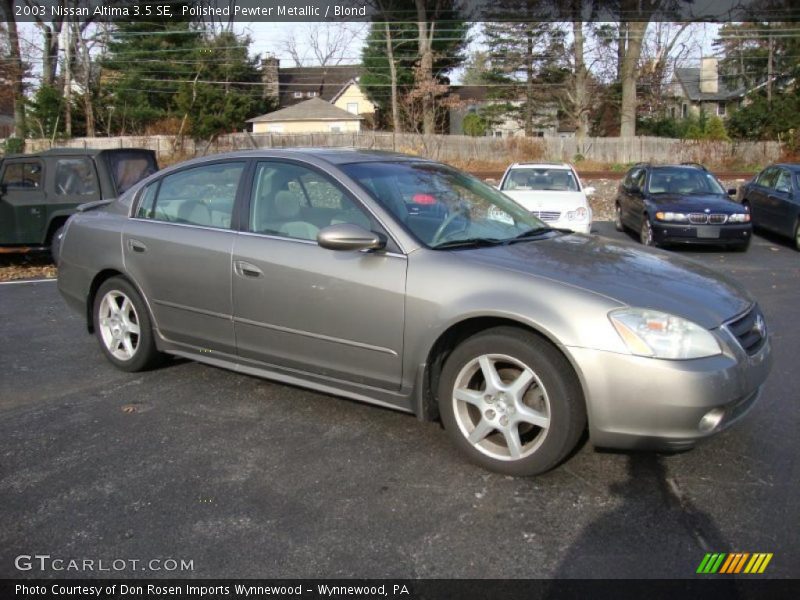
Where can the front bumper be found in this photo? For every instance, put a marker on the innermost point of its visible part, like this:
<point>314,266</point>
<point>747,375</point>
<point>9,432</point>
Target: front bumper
<point>576,226</point>
<point>727,234</point>
<point>643,403</point>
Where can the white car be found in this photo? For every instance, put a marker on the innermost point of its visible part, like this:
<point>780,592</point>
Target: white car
<point>552,192</point>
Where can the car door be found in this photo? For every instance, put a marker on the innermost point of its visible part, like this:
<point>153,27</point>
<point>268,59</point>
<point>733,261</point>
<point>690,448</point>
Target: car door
<point>177,248</point>
<point>22,201</point>
<point>634,198</point>
<point>297,305</point>
<point>757,196</point>
<point>779,205</point>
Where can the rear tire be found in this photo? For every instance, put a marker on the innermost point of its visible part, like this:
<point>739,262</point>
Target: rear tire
<point>123,327</point>
<point>55,244</point>
<point>511,402</point>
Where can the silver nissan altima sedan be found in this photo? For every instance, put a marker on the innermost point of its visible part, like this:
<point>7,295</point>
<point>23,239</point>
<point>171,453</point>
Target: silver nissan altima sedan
<point>406,283</point>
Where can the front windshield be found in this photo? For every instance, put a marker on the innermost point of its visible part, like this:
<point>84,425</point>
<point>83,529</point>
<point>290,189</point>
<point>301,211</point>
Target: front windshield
<point>442,206</point>
<point>683,180</point>
<point>537,178</point>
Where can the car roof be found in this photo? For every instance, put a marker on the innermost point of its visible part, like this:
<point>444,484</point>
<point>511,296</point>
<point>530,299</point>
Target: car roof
<point>76,152</point>
<point>541,165</point>
<point>790,166</point>
<point>334,156</point>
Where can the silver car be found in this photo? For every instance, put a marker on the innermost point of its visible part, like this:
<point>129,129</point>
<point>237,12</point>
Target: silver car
<point>405,283</point>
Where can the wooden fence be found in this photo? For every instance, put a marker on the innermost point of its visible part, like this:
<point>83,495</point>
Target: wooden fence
<point>463,150</point>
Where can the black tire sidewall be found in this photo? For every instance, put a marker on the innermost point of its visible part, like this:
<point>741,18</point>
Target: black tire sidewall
<point>567,407</point>
<point>146,353</point>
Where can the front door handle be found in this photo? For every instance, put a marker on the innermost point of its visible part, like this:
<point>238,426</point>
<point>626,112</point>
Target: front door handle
<point>137,246</point>
<point>246,269</point>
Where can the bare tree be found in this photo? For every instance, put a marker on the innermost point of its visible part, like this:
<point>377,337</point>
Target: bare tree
<point>16,68</point>
<point>324,44</point>
<point>424,73</point>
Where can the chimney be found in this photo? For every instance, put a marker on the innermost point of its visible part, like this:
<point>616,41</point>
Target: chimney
<point>709,75</point>
<point>269,76</point>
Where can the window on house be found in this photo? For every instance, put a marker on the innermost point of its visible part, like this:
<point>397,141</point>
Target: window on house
<point>352,108</point>
<point>721,109</point>
<point>672,112</point>
<point>274,128</point>
<point>312,94</point>
<point>684,110</point>
<point>336,129</point>
<point>498,134</point>
<point>298,94</point>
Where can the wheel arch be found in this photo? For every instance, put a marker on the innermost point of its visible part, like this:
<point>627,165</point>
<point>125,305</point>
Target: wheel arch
<point>429,373</point>
<point>99,279</point>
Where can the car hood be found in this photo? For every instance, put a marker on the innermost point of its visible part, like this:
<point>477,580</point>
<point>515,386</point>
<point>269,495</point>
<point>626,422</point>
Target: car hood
<point>548,199</point>
<point>624,272</point>
<point>712,203</point>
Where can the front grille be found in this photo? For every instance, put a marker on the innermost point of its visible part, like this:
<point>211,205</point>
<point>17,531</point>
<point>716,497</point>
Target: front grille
<point>547,215</point>
<point>750,330</point>
<point>703,218</point>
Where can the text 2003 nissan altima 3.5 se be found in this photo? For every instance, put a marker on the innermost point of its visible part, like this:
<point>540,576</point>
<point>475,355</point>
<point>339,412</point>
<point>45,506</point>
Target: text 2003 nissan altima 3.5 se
<point>313,268</point>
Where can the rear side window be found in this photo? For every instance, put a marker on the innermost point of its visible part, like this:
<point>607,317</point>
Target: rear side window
<point>75,177</point>
<point>784,181</point>
<point>129,168</point>
<point>202,196</point>
<point>22,176</point>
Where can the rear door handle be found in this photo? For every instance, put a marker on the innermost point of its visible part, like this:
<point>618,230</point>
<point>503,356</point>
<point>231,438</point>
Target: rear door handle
<point>137,246</point>
<point>245,269</point>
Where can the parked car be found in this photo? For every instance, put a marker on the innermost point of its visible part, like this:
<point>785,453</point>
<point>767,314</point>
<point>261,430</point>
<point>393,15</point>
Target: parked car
<point>552,192</point>
<point>680,204</point>
<point>39,192</point>
<point>773,199</point>
<point>306,267</point>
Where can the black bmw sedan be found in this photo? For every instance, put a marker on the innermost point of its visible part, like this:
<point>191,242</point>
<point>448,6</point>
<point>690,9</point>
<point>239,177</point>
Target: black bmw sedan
<point>773,199</point>
<point>680,204</point>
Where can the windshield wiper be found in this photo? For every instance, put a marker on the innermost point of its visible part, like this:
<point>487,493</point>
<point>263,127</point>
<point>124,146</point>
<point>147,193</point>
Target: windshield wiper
<point>536,232</point>
<point>468,243</point>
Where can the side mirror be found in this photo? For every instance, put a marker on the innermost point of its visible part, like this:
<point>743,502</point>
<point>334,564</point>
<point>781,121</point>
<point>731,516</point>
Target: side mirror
<point>589,190</point>
<point>731,191</point>
<point>347,236</point>
<point>634,189</point>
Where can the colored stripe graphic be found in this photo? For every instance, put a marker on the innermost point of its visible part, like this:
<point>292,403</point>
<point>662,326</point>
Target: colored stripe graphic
<point>733,563</point>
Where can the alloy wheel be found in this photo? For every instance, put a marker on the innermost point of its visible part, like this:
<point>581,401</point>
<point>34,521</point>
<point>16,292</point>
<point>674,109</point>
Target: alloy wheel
<point>647,232</point>
<point>119,325</point>
<point>501,407</point>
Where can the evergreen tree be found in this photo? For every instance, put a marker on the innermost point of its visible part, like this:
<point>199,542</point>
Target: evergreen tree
<point>530,58</point>
<point>221,107</point>
<point>143,62</point>
<point>448,42</point>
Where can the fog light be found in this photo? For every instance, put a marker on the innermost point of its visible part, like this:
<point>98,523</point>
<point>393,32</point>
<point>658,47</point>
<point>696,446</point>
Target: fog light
<point>711,420</point>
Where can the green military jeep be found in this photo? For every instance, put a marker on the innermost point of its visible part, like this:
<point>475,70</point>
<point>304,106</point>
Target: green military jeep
<point>38,192</point>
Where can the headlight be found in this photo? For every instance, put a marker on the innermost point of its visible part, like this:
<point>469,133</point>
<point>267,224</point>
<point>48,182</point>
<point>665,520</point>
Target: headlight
<point>579,214</point>
<point>672,216</point>
<point>661,335</point>
<point>739,218</point>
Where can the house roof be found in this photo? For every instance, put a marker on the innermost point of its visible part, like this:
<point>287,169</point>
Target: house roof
<point>315,109</point>
<point>689,78</point>
<point>327,82</point>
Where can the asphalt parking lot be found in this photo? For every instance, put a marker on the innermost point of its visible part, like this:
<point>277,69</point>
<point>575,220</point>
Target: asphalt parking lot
<point>247,478</point>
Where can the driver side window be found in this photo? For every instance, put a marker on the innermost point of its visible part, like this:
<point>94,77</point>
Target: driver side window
<point>293,201</point>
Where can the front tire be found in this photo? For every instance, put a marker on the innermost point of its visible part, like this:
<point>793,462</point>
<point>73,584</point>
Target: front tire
<point>646,236</point>
<point>797,236</point>
<point>618,224</point>
<point>511,402</point>
<point>123,327</point>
